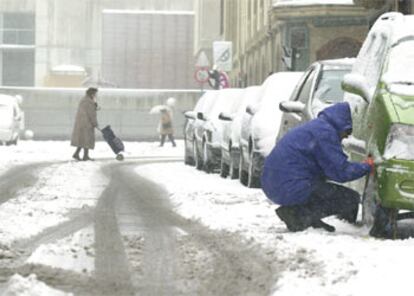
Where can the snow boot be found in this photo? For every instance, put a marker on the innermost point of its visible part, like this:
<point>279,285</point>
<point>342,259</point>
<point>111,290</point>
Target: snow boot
<point>76,154</point>
<point>350,217</point>
<point>323,225</point>
<point>290,216</point>
<point>86,155</point>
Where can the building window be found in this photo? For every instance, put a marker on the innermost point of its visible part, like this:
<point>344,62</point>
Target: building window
<point>17,50</point>
<point>298,38</point>
<point>17,29</point>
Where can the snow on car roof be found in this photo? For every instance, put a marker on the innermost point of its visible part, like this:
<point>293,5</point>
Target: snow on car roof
<point>225,99</point>
<point>278,86</point>
<point>278,3</point>
<point>343,61</point>
<point>206,102</point>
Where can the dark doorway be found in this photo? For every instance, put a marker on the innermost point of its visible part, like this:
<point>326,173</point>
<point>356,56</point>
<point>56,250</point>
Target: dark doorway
<point>339,48</point>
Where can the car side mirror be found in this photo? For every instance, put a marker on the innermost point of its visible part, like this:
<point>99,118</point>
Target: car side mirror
<point>250,110</point>
<point>225,117</point>
<point>358,85</point>
<point>292,107</point>
<point>200,116</point>
<point>190,115</point>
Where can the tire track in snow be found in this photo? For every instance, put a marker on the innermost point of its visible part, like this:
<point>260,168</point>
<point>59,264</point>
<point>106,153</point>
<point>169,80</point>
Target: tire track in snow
<point>166,254</point>
<point>18,178</point>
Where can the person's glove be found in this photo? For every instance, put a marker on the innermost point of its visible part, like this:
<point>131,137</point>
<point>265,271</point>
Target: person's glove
<point>370,161</point>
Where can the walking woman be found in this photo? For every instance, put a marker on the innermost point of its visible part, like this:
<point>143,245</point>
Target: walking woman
<point>83,135</point>
<point>165,127</point>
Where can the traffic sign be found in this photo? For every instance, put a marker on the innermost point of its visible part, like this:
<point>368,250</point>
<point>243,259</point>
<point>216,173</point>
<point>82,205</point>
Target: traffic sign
<point>202,60</point>
<point>223,55</point>
<point>201,75</point>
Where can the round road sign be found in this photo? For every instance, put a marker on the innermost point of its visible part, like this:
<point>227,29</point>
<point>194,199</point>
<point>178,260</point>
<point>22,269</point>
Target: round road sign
<point>201,75</point>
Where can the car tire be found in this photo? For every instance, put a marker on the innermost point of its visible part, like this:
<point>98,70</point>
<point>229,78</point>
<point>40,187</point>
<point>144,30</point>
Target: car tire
<point>385,223</point>
<point>188,158</point>
<point>233,171</point>
<point>198,163</point>
<point>206,158</point>
<point>224,169</point>
<point>243,176</point>
<point>253,180</point>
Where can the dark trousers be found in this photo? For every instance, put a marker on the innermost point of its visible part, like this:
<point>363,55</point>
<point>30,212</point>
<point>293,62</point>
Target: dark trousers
<point>326,199</point>
<point>170,137</point>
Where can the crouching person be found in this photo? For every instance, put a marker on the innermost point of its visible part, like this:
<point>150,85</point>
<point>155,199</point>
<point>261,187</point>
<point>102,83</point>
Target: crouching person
<point>298,172</point>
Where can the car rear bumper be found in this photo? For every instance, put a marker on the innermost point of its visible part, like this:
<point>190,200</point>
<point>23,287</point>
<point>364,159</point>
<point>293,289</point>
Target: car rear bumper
<point>6,135</point>
<point>396,184</point>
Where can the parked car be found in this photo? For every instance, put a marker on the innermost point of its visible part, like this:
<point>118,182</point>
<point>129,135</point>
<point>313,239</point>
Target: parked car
<point>380,90</point>
<point>206,102</point>
<point>11,119</point>
<point>208,135</point>
<point>318,88</point>
<point>260,125</point>
<point>230,144</point>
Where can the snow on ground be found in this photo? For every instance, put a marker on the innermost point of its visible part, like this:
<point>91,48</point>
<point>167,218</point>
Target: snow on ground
<point>39,151</point>
<point>314,262</point>
<point>75,252</point>
<point>29,286</point>
<point>346,262</point>
<point>60,189</point>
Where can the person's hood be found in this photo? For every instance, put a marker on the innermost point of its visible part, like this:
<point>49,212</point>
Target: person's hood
<point>338,115</point>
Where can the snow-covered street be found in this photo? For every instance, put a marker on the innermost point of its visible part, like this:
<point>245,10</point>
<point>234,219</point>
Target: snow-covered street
<point>48,205</point>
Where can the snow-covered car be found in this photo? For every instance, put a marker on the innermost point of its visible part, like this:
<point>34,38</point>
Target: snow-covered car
<point>318,88</point>
<point>230,144</point>
<point>11,119</point>
<point>260,125</point>
<point>380,91</point>
<point>209,134</point>
<point>206,101</point>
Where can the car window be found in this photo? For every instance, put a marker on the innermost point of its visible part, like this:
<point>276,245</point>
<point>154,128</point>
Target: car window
<point>328,90</point>
<point>304,93</point>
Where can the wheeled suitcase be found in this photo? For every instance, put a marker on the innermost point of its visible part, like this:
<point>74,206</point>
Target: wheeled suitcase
<point>113,141</point>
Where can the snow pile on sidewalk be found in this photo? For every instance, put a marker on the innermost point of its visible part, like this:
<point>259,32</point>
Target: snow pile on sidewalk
<point>312,262</point>
<point>30,286</point>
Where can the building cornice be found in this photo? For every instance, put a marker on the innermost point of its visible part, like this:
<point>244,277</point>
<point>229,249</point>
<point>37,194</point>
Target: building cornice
<point>288,12</point>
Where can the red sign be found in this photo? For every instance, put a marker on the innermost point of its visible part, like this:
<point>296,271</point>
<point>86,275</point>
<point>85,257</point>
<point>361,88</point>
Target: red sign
<point>201,75</point>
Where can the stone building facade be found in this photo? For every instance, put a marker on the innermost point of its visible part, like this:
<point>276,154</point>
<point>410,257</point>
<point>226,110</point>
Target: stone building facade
<point>278,35</point>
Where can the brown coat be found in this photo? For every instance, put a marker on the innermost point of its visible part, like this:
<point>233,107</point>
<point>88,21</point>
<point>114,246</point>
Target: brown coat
<point>83,134</point>
<point>166,127</point>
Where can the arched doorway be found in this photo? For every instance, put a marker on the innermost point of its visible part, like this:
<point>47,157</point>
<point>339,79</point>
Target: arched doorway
<point>339,48</point>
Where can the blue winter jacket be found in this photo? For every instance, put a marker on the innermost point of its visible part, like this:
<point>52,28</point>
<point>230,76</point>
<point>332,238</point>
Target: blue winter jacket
<point>310,153</point>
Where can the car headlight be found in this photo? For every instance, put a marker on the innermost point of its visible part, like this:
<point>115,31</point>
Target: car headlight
<point>400,142</point>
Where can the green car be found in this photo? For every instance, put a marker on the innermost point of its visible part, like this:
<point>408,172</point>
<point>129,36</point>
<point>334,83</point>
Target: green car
<point>380,90</point>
